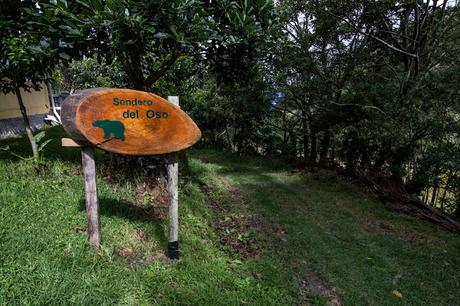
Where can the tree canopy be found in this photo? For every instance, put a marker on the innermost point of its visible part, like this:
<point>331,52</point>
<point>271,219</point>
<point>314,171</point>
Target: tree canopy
<point>367,87</point>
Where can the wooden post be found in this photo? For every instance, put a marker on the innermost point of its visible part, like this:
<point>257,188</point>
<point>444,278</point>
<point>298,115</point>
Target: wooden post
<point>92,204</point>
<point>173,190</point>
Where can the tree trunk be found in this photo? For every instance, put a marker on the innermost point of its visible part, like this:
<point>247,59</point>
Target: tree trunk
<point>133,68</point>
<point>425,197</point>
<point>325,143</point>
<point>434,195</point>
<point>214,139</point>
<point>285,131</point>
<point>443,199</point>
<point>305,139</point>
<point>457,208</point>
<point>313,151</point>
<point>332,154</point>
<point>366,164</point>
<point>350,146</point>
<point>22,107</point>
<point>446,187</point>
<point>294,144</point>
<point>385,149</point>
<point>397,163</point>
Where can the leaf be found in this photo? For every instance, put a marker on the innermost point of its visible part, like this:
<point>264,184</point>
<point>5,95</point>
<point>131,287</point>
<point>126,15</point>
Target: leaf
<point>161,35</point>
<point>176,35</point>
<point>83,3</point>
<point>63,44</point>
<point>397,293</point>
<point>44,43</point>
<point>35,49</point>
<point>267,2</point>
<point>5,148</point>
<point>64,56</point>
<point>396,279</point>
<point>39,136</point>
<point>43,145</point>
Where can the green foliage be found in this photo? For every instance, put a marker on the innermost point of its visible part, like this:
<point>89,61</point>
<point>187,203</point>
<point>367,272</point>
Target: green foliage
<point>42,143</point>
<point>27,56</point>
<point>89,73</point>
<point>243,32</point>
<point>147,44</point>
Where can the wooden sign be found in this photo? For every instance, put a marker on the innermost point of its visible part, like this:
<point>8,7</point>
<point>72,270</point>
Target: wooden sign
<point>127,121</point>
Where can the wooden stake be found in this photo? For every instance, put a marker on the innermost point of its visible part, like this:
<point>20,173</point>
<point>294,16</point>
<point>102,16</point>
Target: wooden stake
<point>92,204</point>
<point>173,190</point>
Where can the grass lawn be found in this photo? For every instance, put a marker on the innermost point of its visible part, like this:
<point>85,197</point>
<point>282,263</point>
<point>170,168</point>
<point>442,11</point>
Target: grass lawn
<point>252,232</point>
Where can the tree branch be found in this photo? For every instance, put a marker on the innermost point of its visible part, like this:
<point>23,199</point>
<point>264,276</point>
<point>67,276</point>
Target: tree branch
<point>165,65</point>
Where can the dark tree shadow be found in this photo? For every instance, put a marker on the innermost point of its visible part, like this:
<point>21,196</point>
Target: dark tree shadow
<point>111,207</point>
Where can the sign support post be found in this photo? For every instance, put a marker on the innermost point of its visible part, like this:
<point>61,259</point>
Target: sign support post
<point>173,190</point>
<point>91,201</point>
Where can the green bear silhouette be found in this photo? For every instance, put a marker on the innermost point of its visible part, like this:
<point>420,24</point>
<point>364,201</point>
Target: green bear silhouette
<point>111,127</point>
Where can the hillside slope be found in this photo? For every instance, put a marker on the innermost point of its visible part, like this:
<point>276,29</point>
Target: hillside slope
<point>252,232</point>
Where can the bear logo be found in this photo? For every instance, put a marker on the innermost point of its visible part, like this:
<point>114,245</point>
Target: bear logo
<point>110,127</point>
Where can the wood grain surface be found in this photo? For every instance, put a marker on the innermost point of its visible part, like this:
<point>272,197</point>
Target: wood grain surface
<point>128,122</point>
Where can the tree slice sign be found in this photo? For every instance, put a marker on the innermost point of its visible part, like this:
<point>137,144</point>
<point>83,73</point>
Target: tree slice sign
<point>127,121</point>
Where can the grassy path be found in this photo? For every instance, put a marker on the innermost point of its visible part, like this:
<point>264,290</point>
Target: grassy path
<point>252,232</point>
<point>339,244</point>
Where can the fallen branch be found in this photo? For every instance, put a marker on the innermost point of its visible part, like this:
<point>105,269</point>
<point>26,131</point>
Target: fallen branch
<point>396,198</point>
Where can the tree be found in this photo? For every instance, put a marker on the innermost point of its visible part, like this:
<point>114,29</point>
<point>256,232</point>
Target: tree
<point>27,56</point>
<point>225,38</point>
<point>147,37</point>
<point>314,63</point>
<point>371,86</point>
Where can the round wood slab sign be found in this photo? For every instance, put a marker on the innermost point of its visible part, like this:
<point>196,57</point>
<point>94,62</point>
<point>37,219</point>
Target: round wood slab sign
<point>127,121</point>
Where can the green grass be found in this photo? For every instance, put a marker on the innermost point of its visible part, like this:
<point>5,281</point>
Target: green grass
<point>252,232</point>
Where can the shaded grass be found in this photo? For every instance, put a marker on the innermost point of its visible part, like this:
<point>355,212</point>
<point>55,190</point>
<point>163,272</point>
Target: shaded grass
<point>350,240</point>
<point>324,226</point>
